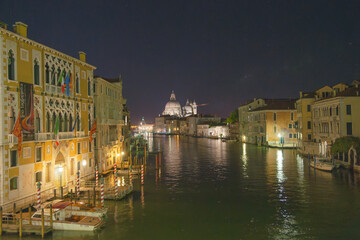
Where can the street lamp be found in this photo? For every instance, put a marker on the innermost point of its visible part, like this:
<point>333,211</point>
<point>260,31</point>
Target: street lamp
<point>84,162</point>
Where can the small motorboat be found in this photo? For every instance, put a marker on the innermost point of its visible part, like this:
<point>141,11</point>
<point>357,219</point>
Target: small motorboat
<point>65,220</point>
<point>322,164</point>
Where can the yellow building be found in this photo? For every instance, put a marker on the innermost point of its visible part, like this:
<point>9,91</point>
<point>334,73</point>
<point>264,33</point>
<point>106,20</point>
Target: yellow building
<point>306,118</point>
<point>29,84</point>
<point>336,116</point>
<point>274,124</point>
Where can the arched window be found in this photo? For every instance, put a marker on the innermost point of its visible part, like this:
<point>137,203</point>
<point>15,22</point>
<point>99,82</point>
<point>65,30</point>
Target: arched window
<point>89,117</point>
<point>61,122</point>
<point>11,66</point>
<point>78,123</point>
<point>89,87</point>
<point>77,83</point>
<point>47,74</point>
<point>48,122</point>
<point>37,122</point>
<point>66,123</point>
<point>53,75</point>
<point>36,72</point>
<point>53,121</point>
<point>70,123</point>
<point>58,77</point>
<point>12,119</point>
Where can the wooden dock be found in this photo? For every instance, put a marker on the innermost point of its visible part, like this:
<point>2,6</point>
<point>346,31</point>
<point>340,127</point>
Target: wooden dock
<point>26,229</point>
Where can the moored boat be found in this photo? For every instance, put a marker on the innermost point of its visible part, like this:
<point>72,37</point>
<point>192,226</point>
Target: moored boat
<point>322,164</point>
<point>79,208</point>
<point>63,220</point>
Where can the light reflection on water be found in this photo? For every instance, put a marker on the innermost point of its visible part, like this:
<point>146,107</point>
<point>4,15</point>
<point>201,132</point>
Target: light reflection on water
<point>214,190</point>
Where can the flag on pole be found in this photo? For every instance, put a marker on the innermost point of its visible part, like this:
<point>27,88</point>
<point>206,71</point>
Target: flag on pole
<point>67,82</point>
<point>93,130</point>
<point>56,131</point>
<point>17,132</point>
<point>73,128</point>
<point>61,80</point>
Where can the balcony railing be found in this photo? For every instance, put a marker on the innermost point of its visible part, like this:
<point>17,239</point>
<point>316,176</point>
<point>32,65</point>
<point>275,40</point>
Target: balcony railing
<point>80,134</point>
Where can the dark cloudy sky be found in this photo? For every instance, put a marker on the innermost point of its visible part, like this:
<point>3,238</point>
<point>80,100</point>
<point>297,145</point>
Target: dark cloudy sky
<point>217,52</point>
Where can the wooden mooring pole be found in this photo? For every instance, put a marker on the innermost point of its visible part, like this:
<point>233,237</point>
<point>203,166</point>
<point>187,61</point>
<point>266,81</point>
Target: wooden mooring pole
<point>42,223</point>
<point>89,196</point>
<point>14,208</point>
<point>0,221</point>
<point>94,196</point>
<point>20,223</point>
<point>51,216</point>
<point>30,214</point>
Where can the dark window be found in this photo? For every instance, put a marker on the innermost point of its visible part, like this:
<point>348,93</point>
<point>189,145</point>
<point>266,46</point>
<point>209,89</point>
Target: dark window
<point>274,116</point>
<point>94,88</point>
<point>11,66</point>
<point>48,122</point>
<point>53,75</point>
<point>292,116</point>
<point>38,154</point>
<point>79,148</point>
<point>38,177</point>
<point>349,128</point>
<point>348,109</point>
<point>78,165</point>
<point>89,87</point>
<point>14,183</point>
<point>89,147</point>
<point>59,73</point>
<point>309,136</point>
<point>308,108</point>
<point>290,135</point>
<point>337,110</point>
<point>290,125</point>
<point>47,74</point>
<point>330,111</point>
<point>13,158</point>
<point>77,84</point>
<point>89,120</point>
<point>78,123</point>
<point>36,73</point>
<point>309,125</point>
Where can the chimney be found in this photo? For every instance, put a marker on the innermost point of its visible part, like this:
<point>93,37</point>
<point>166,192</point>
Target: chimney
<point>301,94</point>
<point>82,56</point>
<point>20,28</point>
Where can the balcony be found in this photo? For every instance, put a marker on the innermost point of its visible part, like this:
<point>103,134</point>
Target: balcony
<point>43,136</point>
<point>66,135</point>
<point>80,134</point>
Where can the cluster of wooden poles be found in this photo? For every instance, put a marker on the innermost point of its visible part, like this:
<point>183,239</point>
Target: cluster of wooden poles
<point>13,226</point>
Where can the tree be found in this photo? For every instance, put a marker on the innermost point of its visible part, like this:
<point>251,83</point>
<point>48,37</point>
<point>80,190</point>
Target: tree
<point>234,117</point>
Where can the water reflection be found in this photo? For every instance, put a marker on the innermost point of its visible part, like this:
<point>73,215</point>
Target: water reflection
<point>244,160</point>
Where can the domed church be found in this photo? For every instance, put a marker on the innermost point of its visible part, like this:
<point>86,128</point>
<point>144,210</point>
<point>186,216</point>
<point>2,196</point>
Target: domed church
<point>173,108</point>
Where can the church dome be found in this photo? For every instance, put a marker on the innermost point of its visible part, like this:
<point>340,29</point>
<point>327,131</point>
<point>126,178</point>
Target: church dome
<point>173,107</point>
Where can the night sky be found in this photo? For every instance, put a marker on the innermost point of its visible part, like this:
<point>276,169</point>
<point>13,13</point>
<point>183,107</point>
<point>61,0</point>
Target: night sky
<point>217,52</point>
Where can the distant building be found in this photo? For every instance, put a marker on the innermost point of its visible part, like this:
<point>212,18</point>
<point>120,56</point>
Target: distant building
<point>269,122</point>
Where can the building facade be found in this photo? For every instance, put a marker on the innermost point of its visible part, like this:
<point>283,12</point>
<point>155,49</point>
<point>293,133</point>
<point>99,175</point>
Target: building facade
<point>110,145</point>
<point>43,86</point>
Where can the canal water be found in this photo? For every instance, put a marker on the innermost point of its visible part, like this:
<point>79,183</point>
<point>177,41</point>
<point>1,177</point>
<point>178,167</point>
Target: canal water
<point>208,189</point>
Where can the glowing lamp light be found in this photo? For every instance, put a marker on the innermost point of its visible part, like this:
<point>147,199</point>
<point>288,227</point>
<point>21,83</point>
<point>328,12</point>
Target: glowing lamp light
<point>84,162</point>
<point>122,153</point>
<point>60,169</point>
<point>279,135</point>
<point>118,154</point>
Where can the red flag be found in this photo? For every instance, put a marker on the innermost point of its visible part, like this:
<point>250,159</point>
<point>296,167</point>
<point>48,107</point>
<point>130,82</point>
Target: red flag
<point>93,130</point>
<point>17,133</point>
